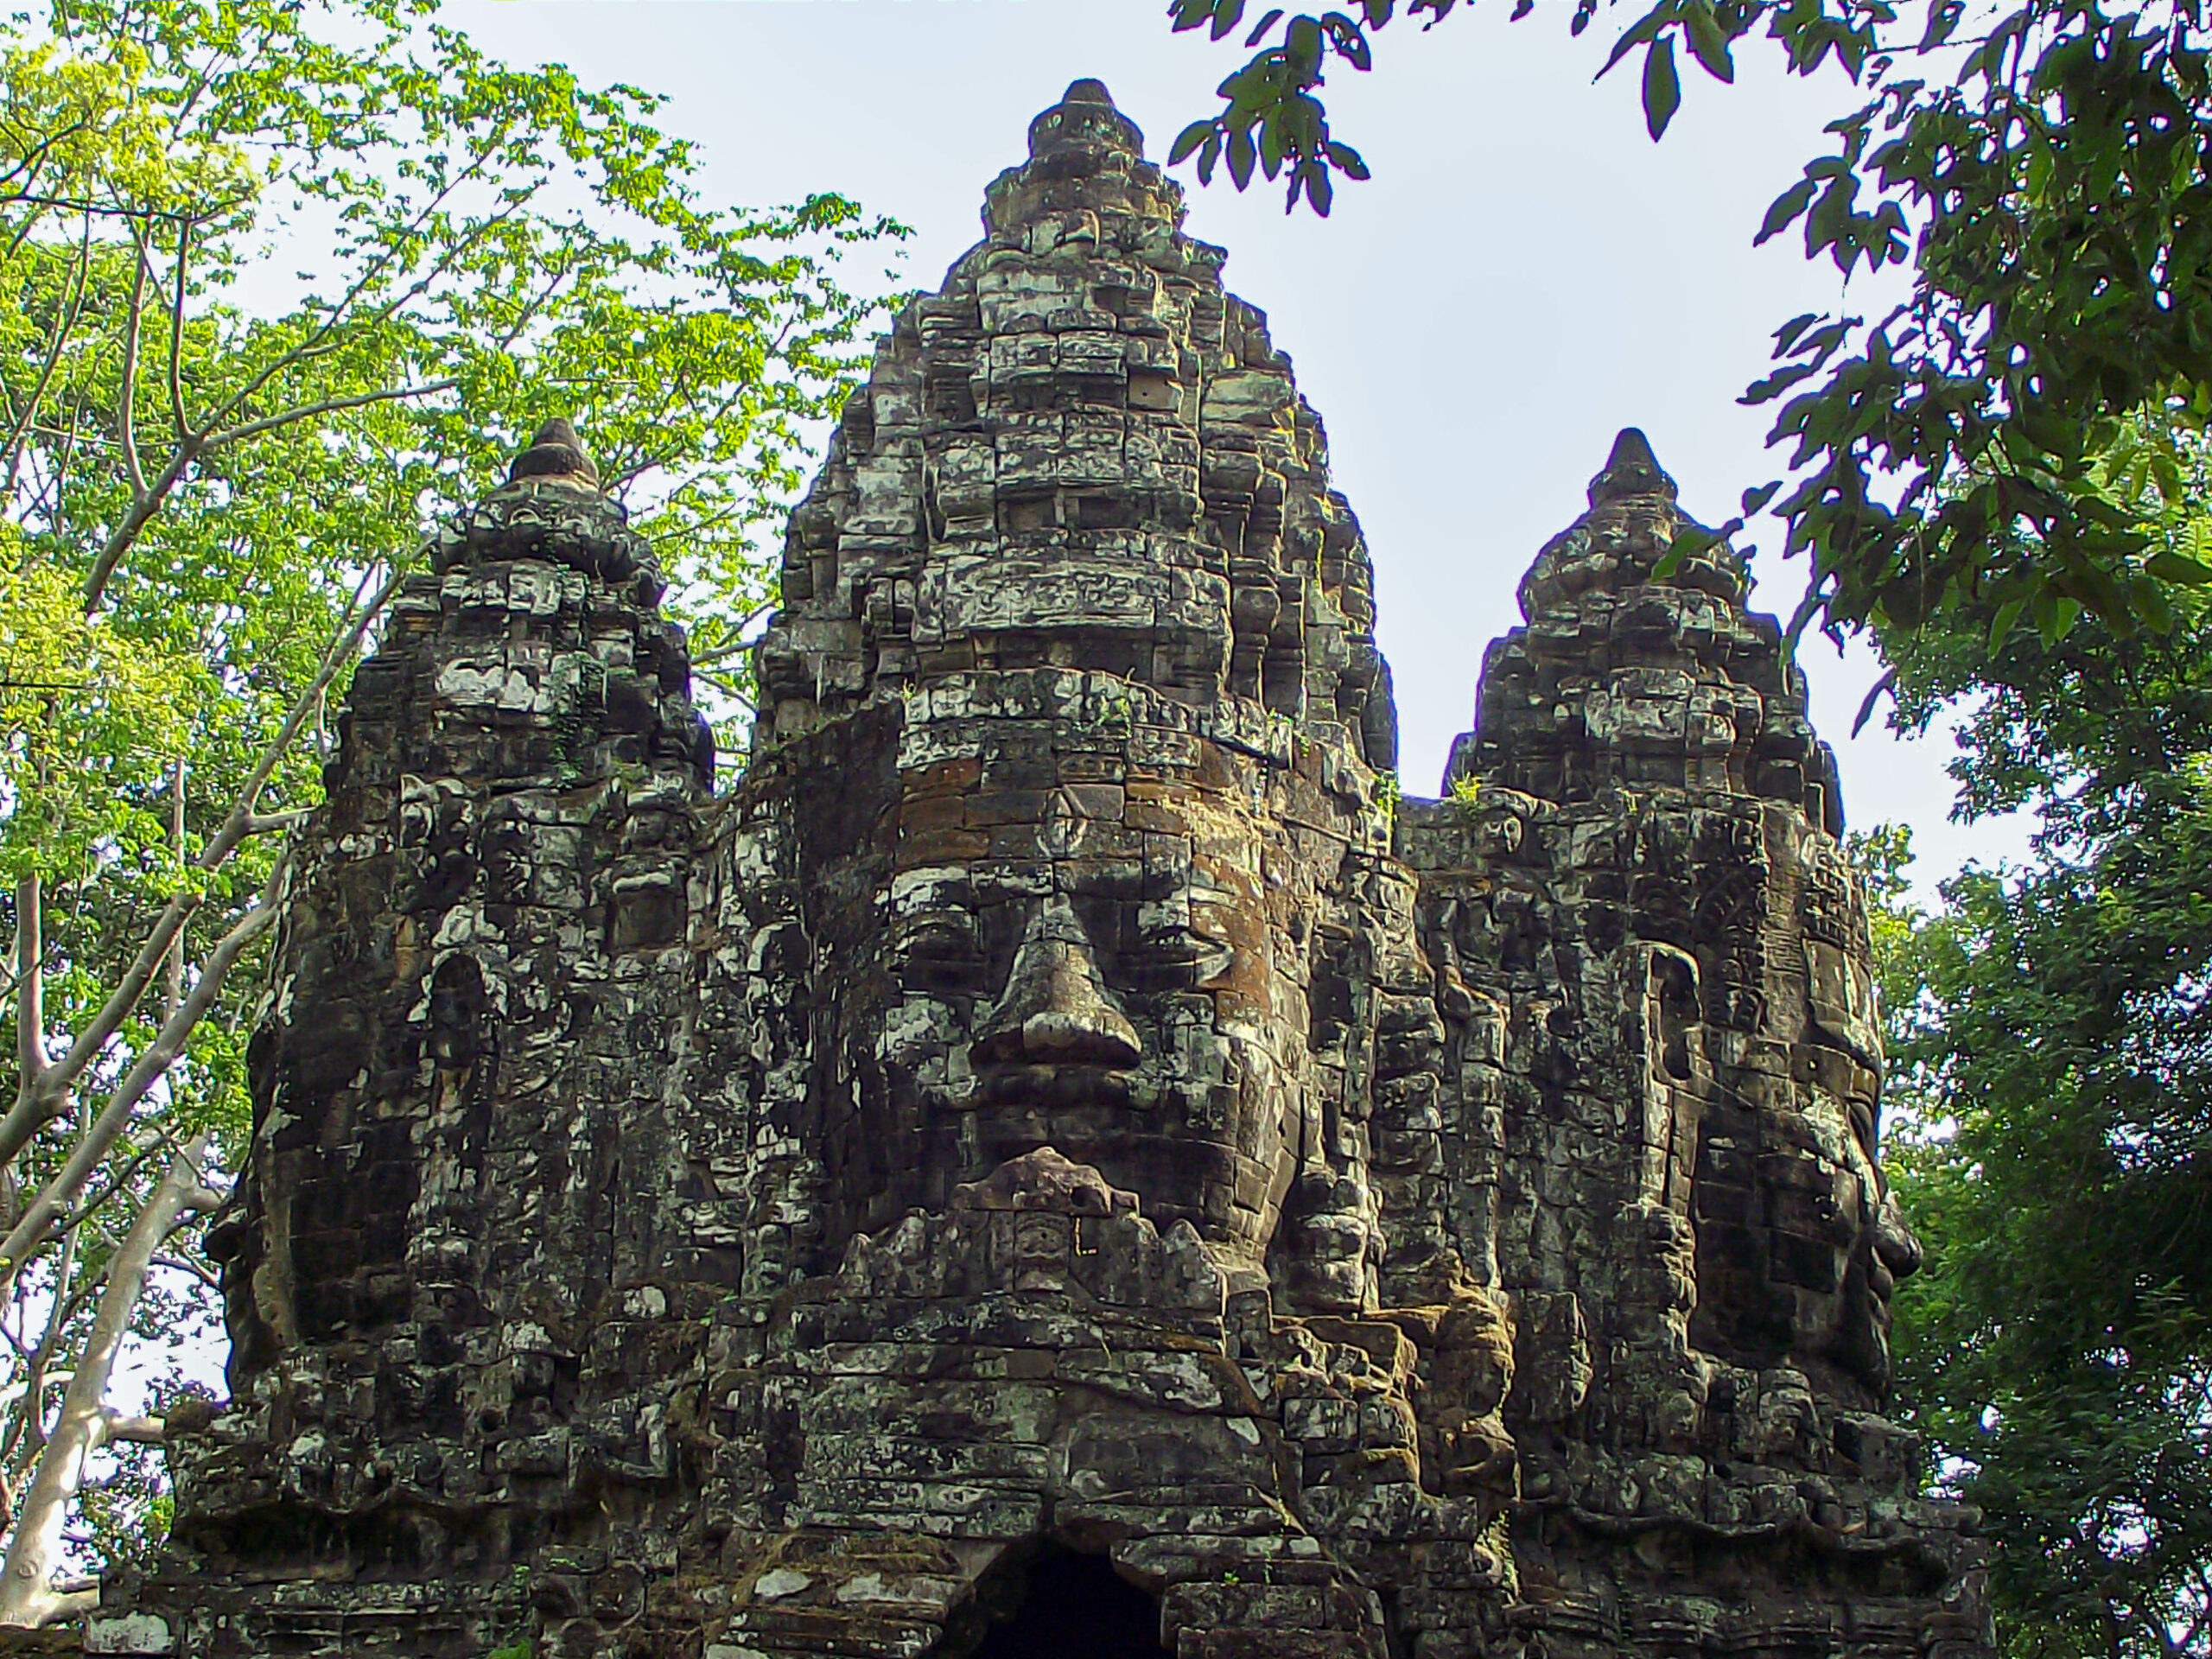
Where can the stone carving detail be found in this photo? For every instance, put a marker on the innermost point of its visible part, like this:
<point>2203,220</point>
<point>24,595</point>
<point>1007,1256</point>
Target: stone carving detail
<point>1060,1104</point>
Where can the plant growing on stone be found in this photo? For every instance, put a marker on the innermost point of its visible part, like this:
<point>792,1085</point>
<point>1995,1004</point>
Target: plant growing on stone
<point>278,285</point>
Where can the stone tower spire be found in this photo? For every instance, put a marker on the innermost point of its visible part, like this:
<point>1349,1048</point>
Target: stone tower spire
<point>1626,677</point>
<point>1658,956</point>
<point>1082,402</point>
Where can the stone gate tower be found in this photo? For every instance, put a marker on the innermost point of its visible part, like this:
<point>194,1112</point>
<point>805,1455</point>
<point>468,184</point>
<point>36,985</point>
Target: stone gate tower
<point>1061,1161</point>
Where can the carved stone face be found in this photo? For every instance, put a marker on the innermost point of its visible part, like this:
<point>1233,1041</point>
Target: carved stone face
<point>1800,1243</point>
<point>1100,928</point>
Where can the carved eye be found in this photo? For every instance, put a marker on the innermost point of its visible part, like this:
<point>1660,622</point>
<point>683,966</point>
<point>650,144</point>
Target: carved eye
<point>935,952</point>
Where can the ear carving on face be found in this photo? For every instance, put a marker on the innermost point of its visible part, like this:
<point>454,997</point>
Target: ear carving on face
<point>1056,1009</point>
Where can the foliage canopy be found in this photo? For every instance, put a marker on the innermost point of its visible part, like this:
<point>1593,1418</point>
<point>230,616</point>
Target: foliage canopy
<point>2044,167</point>
<point>2051,1036</point>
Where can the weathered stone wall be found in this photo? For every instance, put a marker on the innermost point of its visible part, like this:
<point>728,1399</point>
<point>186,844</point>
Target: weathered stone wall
<point>1669,1071</point>
<point>1060,1106</point>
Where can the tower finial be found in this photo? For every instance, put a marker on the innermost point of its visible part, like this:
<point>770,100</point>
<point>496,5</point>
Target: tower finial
<point>1085,119</point>
<point>1631,469</point>
<point>556,453</point>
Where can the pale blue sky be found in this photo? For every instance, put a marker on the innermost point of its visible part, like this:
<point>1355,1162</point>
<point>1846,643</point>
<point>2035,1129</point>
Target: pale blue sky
<point>1526,273</point>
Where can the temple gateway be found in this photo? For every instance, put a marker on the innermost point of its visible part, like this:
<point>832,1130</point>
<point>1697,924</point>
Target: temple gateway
<point>1062,1160</point>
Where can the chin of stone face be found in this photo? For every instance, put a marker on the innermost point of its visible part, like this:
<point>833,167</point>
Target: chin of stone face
<point>1061,1158</point>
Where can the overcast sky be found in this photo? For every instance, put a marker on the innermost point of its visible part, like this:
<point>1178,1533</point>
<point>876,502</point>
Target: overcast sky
<point>1526,273</point>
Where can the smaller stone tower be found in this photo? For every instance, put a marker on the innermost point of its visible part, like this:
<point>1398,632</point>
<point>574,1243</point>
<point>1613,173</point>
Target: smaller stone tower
<point>1661,1105</point>
<point>452,1162</point>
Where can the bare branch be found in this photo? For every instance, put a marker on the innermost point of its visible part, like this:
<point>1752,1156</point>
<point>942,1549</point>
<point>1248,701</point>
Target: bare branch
<point>30,985</point>
<point>26,1434</point>
<point>119,1182</point>
<point>185,1264</point>
<point>126,414</point>
<point>303,706</point>
<point>328,406</point>
<point>111,210</point>
<point>29,1594</point>
<point>125,535</point>
<point>47,1206</point>
<point>175,991</point>
<point>176,335</point>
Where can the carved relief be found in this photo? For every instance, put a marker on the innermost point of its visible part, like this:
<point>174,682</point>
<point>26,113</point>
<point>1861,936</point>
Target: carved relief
<point>1060,1122</point>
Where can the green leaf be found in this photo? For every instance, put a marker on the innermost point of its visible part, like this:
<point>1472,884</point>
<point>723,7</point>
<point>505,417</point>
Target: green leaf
<point>1644,28</point>
<point>1689,540</point>
<point>2001,625</point>
<point>1708,40</point>
<point>1320,190</point>
<point>2174,567</point>
<point>2154,606</point>
<point>1344,35</point>
<point>1787,206</point>
<point>1188,140</point>
<point>1662,88</point>
<point>1346,160</point>
<point>1242,156</point>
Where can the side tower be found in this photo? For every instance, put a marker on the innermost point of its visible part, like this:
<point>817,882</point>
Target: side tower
<point>464,1168</point>
<point>1664,1090</point>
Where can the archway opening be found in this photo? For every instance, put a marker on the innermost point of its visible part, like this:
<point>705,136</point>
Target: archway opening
<point>1066,1606</point>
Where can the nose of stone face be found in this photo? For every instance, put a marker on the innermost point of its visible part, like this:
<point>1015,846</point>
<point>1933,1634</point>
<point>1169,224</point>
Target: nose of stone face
<point>1056,1010</point>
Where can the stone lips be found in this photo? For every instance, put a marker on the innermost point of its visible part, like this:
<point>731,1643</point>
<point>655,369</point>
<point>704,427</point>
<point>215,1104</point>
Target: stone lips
<point>1060,1096</point>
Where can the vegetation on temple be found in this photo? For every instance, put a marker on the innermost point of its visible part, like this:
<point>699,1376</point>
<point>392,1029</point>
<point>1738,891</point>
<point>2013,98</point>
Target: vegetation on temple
<point>279,286</point>
<point>2002,478</point>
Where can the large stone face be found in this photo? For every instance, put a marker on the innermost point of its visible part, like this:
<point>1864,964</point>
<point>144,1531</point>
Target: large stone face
<point>1061,1116</point>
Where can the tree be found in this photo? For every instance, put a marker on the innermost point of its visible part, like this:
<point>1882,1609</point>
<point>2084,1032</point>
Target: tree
<point>214,473</point>
<point>2051,1088</point>
<point>2045,167</point>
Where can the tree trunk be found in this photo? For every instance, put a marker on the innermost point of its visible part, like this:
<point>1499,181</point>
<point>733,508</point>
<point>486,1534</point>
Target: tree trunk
<point>29,1595</point>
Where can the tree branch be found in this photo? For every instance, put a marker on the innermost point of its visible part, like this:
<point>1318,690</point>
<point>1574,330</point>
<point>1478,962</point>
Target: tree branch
<point>176,335</point>
<point>126,416</point>
<point>30,986</point>
<point>29,1595</point>
<point>35,1109</point>
<point>142,509</point>
<point>64,324</point>
<point>139,1430</point>
<point>328,406</point>
<point>47,1206</point>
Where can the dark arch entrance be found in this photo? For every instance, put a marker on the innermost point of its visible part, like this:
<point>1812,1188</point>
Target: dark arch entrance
<point>1064,1605</point>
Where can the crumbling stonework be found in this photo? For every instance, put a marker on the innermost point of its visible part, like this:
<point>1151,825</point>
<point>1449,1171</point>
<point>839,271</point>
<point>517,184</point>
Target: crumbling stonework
<point>1061,1161</point>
